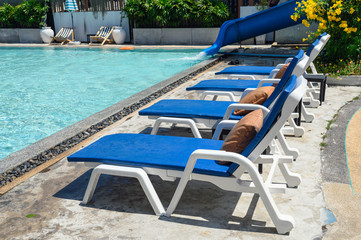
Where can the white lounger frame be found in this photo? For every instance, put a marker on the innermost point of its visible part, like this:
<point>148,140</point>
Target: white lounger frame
<point>283,223</point>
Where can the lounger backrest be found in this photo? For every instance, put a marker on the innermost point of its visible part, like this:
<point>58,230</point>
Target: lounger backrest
<point>275,119</point>
<point>322,41</point>
<point>104,31</point>
<point>323,37</point>
<point>312,46</point>
<point>64,32</point>
<point>317,46</point>
<point>284,79</point>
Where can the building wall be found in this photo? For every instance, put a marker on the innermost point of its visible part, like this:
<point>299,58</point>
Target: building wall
<point>88,23</point>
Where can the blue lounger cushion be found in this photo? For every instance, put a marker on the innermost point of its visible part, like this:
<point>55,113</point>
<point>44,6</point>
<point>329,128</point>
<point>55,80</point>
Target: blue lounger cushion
<point>247,70</point>
<point>238,85</point>
<point>169,152</point>
<point>187,108</point>
<point>163,152</point>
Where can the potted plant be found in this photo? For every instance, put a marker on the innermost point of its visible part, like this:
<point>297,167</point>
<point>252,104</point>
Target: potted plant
<point>119,35</point>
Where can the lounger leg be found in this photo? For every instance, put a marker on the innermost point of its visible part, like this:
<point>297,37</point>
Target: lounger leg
<point>306,115</point>
<point>138,173</point>
<point>282,222</point>
<point>273,147</point>
<point>293,129</point>
<point>188,122</point>
<point>286,148</point>
<point>292,179</point>
<point>311,100</point>
<point>91,186</point>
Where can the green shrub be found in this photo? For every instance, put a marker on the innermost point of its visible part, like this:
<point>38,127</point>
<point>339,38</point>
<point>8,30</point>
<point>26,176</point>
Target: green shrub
<point>339,18</point>
<point>28,14</point>
<point>176,13</point>
<point>7,16</point>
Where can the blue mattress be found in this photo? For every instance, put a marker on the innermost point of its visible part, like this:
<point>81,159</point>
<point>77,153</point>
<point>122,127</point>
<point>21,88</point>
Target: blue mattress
<point>187,108</point>
<point>226,85</point>
<point>247,70</point>
<point>164,152</point>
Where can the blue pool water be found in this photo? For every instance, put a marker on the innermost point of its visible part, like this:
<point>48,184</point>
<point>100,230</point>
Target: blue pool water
<point>44,90</point>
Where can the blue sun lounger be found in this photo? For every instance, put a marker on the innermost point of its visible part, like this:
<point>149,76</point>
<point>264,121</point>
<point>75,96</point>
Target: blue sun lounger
<point>240,85</point>
<point>233,87</point>
<point>210,113</point>
<point>137,155</point>
<point>259,70</point>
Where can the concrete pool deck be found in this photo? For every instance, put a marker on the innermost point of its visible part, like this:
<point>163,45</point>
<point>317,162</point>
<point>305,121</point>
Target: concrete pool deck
<point>119,208</point>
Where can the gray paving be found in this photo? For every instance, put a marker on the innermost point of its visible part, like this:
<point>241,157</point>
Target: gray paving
<point>334,169</point>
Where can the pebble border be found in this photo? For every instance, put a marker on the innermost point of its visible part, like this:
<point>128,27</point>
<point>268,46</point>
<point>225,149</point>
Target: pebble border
<point>65,145</point>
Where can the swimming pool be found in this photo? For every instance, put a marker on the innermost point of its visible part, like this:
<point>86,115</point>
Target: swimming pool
<point>47,89</point>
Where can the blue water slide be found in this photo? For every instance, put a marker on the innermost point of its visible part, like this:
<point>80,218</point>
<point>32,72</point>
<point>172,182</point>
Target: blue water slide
<point>263,22</point>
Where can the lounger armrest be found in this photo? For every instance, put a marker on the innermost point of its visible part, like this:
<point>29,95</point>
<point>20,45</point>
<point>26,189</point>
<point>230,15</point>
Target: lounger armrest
<point>246,91</point>
<point>241,76</point>
<point>311,76</point>
<point>223,125</point>
<point>268,80</point>
<point>279,66</point>
<point>174,120</point>
<point>273,73</point>
<point>216,94</point>
<point>244,106</point>
<point>288,60</point>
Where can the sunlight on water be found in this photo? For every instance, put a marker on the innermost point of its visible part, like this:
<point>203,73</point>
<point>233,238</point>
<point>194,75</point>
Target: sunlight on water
<point>199,57</point>
<point>47,89</point>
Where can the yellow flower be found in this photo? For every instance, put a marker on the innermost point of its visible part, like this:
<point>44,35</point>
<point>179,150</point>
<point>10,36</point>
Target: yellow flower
<point>343,24</point>
<point>304,39</point>
<point>294,17</point>
<point>338,11</point>
<point>304,22</point>
<point>358,19</point>
<point>322,26</point>
<point>352,10</point>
